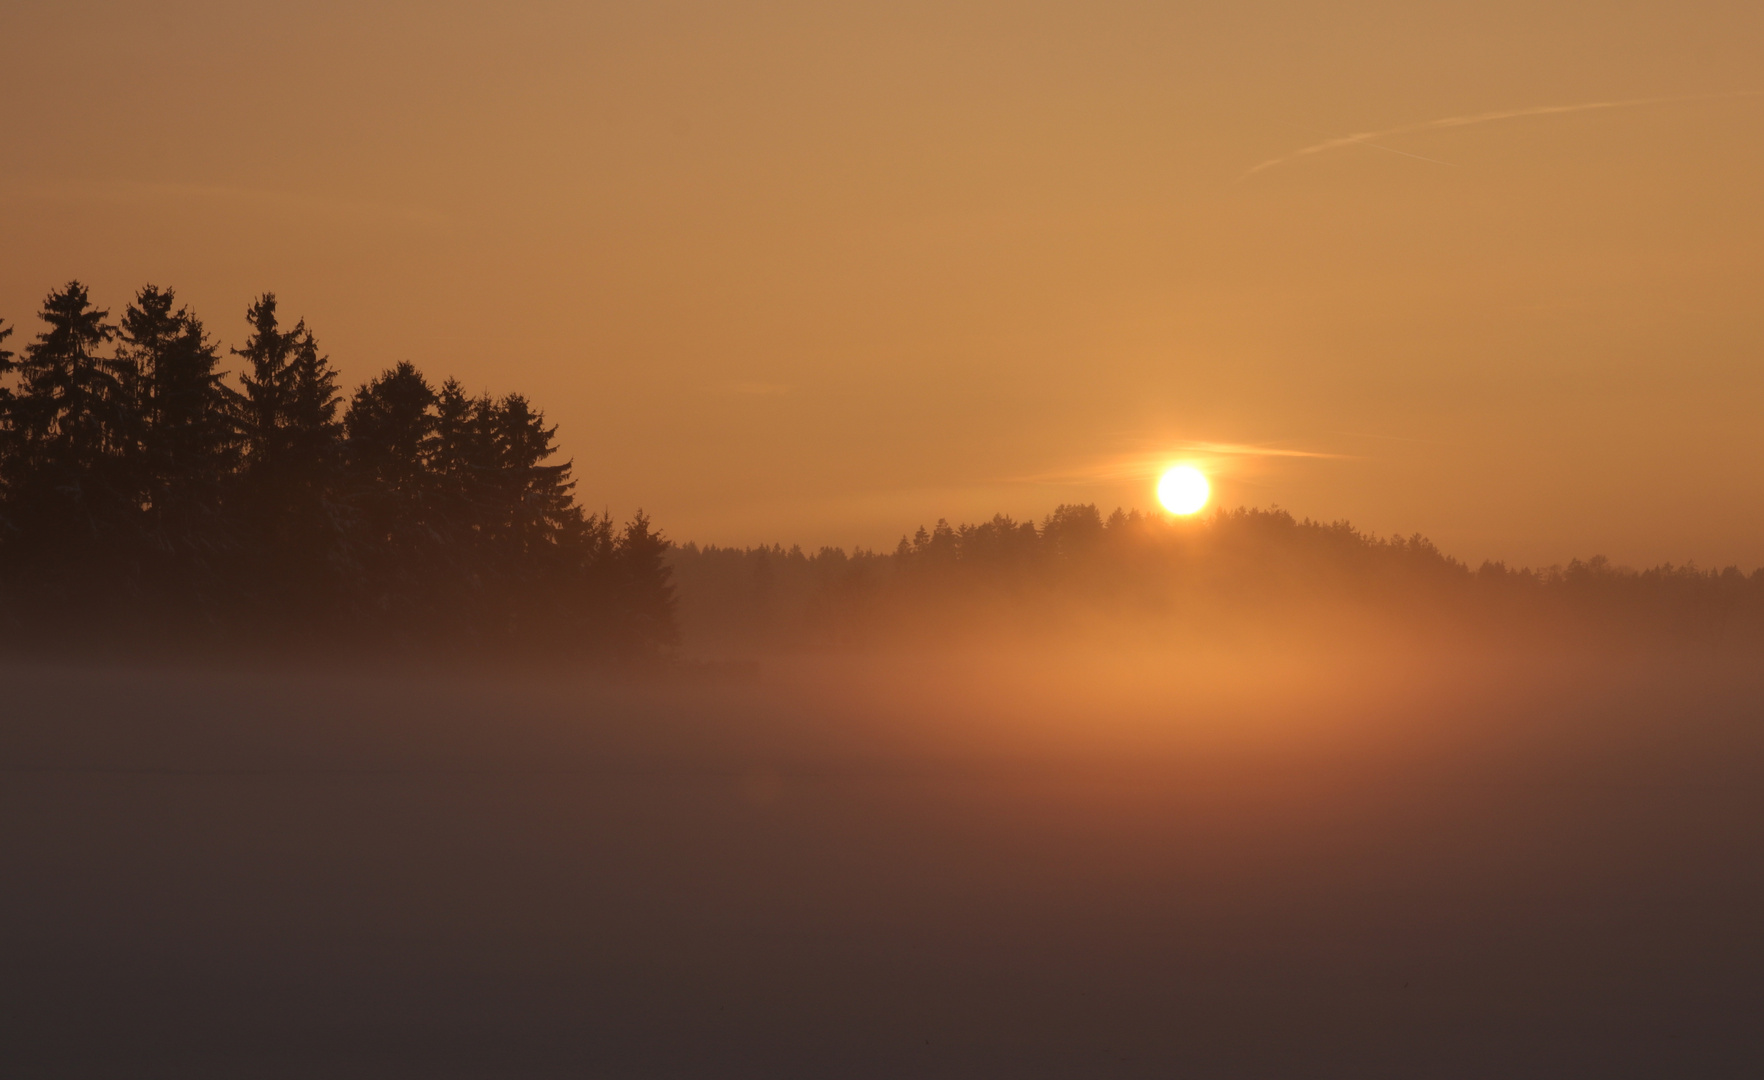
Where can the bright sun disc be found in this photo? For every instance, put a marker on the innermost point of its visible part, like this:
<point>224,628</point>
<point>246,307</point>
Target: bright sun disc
<point>1183,490</point>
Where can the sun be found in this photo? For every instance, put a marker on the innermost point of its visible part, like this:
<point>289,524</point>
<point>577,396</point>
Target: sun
<point>1183,490</point>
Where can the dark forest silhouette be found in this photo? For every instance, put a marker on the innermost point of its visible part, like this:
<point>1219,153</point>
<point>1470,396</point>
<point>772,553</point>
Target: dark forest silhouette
<point>143,494</point>
<point>1236,571</point>
<point>148,498</point>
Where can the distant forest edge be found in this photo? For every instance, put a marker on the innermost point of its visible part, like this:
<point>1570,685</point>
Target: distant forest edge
<point>150,500</point>
<point>1226,575</point>
<point>147,497</point>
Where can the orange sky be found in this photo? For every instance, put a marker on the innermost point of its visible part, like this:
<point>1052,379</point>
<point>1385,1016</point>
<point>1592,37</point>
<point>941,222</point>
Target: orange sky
<point>820,272</point>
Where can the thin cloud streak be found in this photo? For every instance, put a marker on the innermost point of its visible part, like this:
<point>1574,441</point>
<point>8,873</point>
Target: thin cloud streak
<point>1405,153</point>
<point>1365,138</point>
<point>1252,450</point>
<point>1151,463</point>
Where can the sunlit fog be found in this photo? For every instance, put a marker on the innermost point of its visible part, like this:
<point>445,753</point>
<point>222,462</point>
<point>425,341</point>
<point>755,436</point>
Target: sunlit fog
<point>804,541</point>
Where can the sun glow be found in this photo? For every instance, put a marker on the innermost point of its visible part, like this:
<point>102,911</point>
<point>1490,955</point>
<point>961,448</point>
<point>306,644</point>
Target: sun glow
<point>1183,490</point>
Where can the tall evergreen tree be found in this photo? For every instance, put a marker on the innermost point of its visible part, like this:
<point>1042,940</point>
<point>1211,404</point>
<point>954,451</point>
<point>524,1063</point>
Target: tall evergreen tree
<point>464,463</point>
<point>8,365</point>
<point>70,393</point>
<point>292,434</point>
<point>291,399</point>
<point>300,546</point>
<point>133,480</point>
<point>535,497</point>
<point>465,443</point>
<point>269,388</point>
<point>189,417</point>
<point>315,431</point>
<point>391,425</point>
<point>646,595</point>
<point>75,419</point>
<point>401,542</point>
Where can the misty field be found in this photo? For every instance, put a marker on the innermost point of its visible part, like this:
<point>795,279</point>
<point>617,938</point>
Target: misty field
<point>1366,860</point>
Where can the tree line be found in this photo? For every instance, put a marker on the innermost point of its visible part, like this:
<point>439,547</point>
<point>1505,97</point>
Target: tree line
<point>144,490</point>
<point>1237,571</point>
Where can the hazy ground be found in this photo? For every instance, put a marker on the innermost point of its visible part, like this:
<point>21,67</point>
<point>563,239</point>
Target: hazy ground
<point>1366,862</point>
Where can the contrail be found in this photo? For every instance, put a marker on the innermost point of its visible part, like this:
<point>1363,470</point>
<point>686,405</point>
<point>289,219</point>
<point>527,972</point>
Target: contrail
<point>1405,153</point>
<point>1365,138</point>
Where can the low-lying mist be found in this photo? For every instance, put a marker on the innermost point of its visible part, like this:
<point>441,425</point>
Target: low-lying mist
<point>1372,855</point>
<point>1246,797</point>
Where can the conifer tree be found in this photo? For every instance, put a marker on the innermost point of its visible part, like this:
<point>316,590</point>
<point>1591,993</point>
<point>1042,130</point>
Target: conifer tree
<point>300,548</point>
<point>316,433</point>
<point>391,425</point>
<point>188,416</point>
<point>269,388</point>
<point>133,480</point>
<point>400,545</point>
<point>70,393</point>
<point>647,595</point>
<point>74,419</point>
<point>291,400</point>
<point>463,460</point>
<point>465,444</point>
<point>7,366</point>
<point>536,496</point>
<point>292,433</point>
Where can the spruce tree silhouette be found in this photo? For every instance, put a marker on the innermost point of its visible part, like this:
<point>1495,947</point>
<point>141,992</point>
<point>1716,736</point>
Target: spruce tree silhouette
<point>315,430</point>
<point>535,497</point>
<point>464,460</point>
<point>187,422</point>
<point>290,417</point>
<point>300,548</point>
<point>139,492</point>
<point>647,593</point>
<point>391,432</point>
<point>404,543</point>
<point>8,364</point>
<point>269,388</point>
<point>67,479</point>
<point>464,443</point>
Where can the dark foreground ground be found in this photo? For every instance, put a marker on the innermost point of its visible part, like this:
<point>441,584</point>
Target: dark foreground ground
<point>1367,865</point>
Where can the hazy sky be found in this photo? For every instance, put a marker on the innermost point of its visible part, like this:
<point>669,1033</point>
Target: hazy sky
<point>820,272</point>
